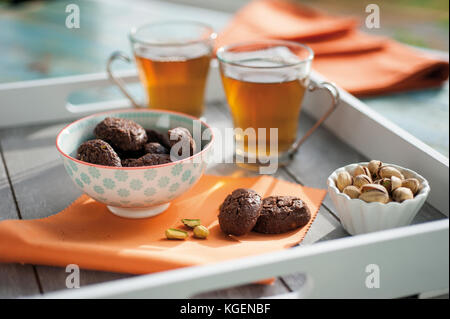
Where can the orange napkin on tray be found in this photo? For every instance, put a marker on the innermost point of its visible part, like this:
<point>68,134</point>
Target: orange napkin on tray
<point>88,235</point>
<point>362,64</point>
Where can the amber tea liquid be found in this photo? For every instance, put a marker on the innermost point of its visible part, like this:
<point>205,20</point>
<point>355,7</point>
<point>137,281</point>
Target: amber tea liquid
<point>271,100</point>
<point>175,83</point>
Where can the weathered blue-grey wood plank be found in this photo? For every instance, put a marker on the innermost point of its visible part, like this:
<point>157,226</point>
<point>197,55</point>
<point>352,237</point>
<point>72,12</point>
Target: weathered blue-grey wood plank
<point>424,113</point>
<point>42,188</point>
<point>15,280</point>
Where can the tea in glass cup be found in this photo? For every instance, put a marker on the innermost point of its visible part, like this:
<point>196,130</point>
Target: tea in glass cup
<point>173,60</point>
<point>265,83</point>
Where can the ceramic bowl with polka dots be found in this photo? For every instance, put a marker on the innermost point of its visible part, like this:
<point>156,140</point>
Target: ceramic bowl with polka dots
<point>135,192</point>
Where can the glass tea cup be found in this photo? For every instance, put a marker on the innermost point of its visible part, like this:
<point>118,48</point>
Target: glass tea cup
<point>172,59</point>
<point>265,83</point>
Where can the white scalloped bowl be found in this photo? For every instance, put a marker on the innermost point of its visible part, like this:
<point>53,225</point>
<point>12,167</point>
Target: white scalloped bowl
<point>359,217</point>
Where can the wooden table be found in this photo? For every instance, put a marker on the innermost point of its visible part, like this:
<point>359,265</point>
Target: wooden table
<point>33,184</point>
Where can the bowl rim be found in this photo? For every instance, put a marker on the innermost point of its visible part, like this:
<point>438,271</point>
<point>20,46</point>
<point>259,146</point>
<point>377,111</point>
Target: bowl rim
<point>424,192</point>
<point>207,147</point>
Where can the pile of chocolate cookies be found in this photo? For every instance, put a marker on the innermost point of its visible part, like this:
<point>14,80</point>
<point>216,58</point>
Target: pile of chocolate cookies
<point>243,211</point>
<point>124,143</point>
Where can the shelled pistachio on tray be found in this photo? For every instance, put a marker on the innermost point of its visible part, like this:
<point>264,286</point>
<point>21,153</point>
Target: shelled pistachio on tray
<point>200,231</point>
<point>377,182</point>
<point>173,233</point>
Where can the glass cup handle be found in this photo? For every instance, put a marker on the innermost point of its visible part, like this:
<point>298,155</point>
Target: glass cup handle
<point>119,56</point>
<point>334,94</point>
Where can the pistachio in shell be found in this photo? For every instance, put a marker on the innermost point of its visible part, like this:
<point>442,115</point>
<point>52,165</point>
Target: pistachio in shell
<point>352,191</point>
<point>375,196</point>
<point>374,193</point>
<point>361,180</point>
<point>401,194</point>
<point>386,183</point>
<point>373,166</point>
<point>413,184</point>
<point>388,172</point>
<point>361,170</point>
<point>373,187</point>
<point>343,180</point>
<point>395,183</point>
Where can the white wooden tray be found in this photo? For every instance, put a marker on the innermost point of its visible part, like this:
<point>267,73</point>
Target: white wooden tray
<point>367,132</point>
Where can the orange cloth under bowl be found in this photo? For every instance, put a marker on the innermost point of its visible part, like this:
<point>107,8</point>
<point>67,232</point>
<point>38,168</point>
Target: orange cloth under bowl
<point>88,235</point>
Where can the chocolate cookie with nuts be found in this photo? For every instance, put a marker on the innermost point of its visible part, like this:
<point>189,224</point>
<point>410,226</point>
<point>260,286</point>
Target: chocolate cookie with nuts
<point>124,134</point>
<point>280,214</point>
<point>98,152</point>
<point>146,160</point>
<point>239,212</point>
<point>156,137</point>
<point>155,148</point>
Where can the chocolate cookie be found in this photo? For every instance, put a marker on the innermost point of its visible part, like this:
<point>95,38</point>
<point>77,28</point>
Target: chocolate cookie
<point>147,160</point>
<point>98,152</point>
<point>130,154</point>
<point>239,211</point>
<point>181,139</point>
<point>154,136</point>
<point>155,148</point>
<point>123,134</point>
<point>280,214</point>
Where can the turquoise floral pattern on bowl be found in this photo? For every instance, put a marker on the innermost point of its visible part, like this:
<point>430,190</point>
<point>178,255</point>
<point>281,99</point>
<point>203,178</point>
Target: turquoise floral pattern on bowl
<point>138,187</point>
<point>186,175</point>
<point>136,184</point>
<point>94,172</point>
<point>85,178</point>
<point>176,170</point>
<point>109,183</point>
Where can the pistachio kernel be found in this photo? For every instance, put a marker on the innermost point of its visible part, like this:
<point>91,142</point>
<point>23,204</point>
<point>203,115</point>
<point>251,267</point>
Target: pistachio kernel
<point>201,232</point>
<point>191,222</point>
<point>173,233</point>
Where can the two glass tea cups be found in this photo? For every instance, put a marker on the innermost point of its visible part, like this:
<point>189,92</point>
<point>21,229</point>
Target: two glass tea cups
<point>264,82</point>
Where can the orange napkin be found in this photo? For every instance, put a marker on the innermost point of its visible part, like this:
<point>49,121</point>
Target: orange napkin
<point>360,63</point>
<point>88,235</point>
